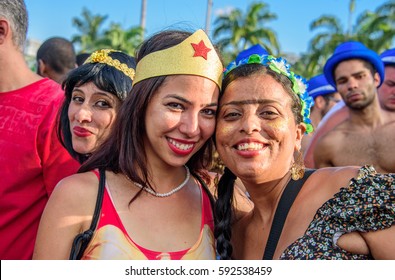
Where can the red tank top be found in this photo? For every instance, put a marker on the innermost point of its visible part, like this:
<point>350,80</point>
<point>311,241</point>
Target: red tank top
<point>112,242</point>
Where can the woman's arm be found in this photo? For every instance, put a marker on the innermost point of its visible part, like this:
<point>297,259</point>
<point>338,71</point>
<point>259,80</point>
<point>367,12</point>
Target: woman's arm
<point>381,243</point>
<point>68,212</point>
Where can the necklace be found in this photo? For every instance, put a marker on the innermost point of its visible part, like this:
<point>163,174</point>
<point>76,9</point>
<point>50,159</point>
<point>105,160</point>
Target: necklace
<point>150,191</point>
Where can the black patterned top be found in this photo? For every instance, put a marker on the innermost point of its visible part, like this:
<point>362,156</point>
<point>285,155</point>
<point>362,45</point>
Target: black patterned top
<point>367,204</point>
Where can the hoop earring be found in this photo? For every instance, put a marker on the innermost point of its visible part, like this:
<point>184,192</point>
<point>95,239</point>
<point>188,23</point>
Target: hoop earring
<point>297,168</point>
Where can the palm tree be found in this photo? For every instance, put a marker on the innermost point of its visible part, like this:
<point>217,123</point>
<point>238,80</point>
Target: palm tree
<point>322,45</point>
<point>89,26</point>
<point>351,9</point>
<point>208,15</point>
<point>237,31</point>
<point>143,17</point>
<point>373,29</point>
<point>124,40</point>
<point>92,36</point>
<point>381,26</point>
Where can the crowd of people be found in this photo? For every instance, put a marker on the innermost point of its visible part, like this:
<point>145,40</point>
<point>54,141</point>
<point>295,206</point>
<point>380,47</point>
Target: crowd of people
<point>110,155</point>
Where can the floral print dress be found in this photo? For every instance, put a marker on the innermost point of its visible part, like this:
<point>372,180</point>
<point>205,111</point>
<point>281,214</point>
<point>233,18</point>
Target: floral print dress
<point>367,204</point>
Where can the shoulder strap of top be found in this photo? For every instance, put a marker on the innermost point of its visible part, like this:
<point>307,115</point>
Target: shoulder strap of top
<point>287,198</point>
<point>82,240</point>
<point>205,188</point>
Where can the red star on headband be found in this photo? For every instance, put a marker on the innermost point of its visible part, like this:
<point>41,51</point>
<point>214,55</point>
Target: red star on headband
<point>200,49</point>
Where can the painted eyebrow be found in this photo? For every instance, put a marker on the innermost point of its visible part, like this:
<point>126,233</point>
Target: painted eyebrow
<point>248,102</point>
<point>182,99</point>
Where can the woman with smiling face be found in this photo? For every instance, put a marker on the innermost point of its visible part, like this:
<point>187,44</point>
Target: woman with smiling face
<point>334,213</point>
<point>156,204</point>
<point>94,93</point>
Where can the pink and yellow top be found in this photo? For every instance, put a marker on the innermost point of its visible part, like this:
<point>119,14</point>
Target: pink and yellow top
<point>112,242</point>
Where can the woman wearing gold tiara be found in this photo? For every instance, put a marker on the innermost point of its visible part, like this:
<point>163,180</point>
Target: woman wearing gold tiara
<point>93,94</point>
<point>155,202</point>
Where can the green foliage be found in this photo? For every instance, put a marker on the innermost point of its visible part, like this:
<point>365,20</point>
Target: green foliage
<point>237,31</point>
<point>375,29</point>
<point>93,36</point>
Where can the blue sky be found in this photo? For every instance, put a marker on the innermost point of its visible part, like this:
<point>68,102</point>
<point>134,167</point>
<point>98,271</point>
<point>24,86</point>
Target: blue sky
<point>48,18</point>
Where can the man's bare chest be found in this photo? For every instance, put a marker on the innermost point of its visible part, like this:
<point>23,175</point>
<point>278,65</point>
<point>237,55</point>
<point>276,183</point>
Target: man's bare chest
<point>367,147</point>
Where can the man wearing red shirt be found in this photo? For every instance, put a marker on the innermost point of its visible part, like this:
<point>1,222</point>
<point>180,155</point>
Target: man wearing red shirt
<point>32,160</point>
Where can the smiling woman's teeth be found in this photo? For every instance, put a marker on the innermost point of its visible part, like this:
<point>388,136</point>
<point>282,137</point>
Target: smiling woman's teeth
<point>183,147</point>
<point>249,147</point>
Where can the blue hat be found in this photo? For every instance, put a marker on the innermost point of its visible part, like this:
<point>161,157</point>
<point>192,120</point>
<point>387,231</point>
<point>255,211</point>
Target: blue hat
<point>350,50</point>
<point>318,85</point>
<point>388,57</point>
<point>255,49</point>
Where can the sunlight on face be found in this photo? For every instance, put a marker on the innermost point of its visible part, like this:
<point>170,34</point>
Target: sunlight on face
<point>180,118</point>
<point>91,114</point>
<point>256,127</point>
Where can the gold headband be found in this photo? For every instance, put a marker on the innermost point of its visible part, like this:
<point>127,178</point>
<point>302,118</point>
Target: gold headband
<point>193,56</point>
<point>101,56</point>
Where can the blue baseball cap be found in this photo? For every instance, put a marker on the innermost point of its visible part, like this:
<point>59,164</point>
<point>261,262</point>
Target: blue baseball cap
<point>318,85</point>
<point>350,50</point>
<point>388,57</point>
<point>255,49</point>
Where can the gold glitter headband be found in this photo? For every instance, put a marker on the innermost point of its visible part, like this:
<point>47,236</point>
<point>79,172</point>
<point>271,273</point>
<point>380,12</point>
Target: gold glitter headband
<point>193,56</point>
<point>101,56</point>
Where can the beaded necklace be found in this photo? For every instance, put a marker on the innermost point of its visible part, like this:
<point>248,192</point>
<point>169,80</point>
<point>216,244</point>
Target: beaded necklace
<point>179,187</point>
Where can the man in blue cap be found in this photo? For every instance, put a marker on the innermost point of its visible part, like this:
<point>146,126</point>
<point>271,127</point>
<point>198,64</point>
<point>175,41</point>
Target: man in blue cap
<point>325,97</point>
<point>366,135</point>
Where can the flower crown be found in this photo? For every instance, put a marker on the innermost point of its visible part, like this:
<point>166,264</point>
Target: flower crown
<point>101,56</point>
<point>280,66</point>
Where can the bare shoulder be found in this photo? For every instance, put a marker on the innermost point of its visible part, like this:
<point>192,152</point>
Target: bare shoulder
<point>76,191</point>
<point>328,145</point>
<point>333,178</point>
<point>68,212</point>
<point>324,150</point>
<point>322,185</point>
<point>335,134</point>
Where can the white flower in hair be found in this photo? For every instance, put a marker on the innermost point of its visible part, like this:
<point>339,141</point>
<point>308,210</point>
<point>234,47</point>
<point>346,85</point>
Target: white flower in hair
<point>301,83</point>
<point>281,64</point>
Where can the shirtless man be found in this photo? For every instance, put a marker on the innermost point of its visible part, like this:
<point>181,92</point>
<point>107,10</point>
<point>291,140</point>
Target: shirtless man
<point>338,113</point>
<point>325,97</point>
<point>367,135</point>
